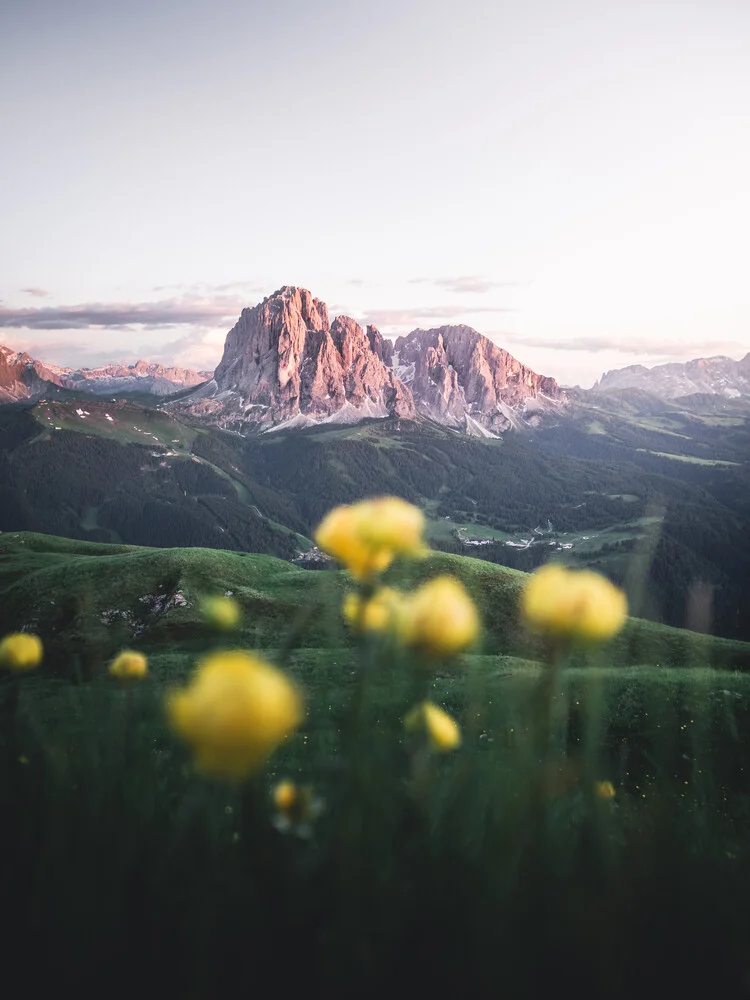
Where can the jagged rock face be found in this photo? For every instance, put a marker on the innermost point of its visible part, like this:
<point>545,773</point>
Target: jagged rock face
<point>718,375</point>
<point>285,362</point>
<point>381,347</point>
<point>460,378</point>
<point>22,378</point>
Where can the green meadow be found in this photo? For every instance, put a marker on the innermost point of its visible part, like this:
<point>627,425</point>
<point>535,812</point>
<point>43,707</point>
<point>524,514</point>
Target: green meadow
<point>502,868</point>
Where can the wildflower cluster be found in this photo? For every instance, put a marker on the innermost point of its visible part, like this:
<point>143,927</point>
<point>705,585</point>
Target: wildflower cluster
<point>366,537</point>
<point>438,618</point>
<point>238,708</point>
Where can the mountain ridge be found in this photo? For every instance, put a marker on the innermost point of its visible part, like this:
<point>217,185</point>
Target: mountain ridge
<point>286,364</point>
<point>23,378</point>
<point>717,375</point>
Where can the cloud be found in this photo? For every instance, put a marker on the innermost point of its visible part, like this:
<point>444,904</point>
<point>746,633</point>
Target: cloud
<point>411,317</point>
<point>472,284</point>
<point>202,288</point>
<point>200,350</point>
<point>636,346</point>
<point>187,310</point>
<point>40,293</point>
<point>70,353</point>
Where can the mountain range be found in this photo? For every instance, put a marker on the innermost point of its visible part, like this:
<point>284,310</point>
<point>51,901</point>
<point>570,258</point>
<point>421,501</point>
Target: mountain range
<point>286,364</point>
<point>715,376</point>
<point>24,378</point>
<point>651,490</point>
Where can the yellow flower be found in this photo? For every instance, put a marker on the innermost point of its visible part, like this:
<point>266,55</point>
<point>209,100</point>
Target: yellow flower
<point>21,651</point>
<point>604,790</point>
<point>297,808</point>
<point>441,729</point>
<point>234,713</point>
<point>221,612</point>
<point>574,603</point>
<point>284,796</point>
<point>367,536</point>
<point>129,666</point>
<point>391,523</point>
<point>386,611</point>
<point>442,617</point>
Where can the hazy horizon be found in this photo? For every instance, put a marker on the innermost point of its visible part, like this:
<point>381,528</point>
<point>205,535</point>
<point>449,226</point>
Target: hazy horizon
<point>130,358</point>
<point>568,179</point>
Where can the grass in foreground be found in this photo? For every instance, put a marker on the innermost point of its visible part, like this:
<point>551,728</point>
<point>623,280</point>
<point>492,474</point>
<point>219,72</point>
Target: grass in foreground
<point>494,869</point>
<point>590,834</point>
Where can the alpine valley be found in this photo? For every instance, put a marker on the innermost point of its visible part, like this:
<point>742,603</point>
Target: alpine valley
<point>645,477</point>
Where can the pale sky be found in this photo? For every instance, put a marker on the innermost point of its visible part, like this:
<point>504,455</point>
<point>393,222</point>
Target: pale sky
<point>570,177</point>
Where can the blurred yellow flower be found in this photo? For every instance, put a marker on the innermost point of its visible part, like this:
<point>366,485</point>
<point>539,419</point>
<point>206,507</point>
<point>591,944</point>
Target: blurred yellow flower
<point>386,611</point>
<point>21,651</point>
<point>129,666</point>
<point>297,808</point>
<point>604,790</point>
<point>367,536</point>
<point>442,731</point>
<point>221,612</point>
<point>443,619</point>
<point>234,713</point>
<point>392,523</point>
<point>578,604</point>
<point>284,795</point>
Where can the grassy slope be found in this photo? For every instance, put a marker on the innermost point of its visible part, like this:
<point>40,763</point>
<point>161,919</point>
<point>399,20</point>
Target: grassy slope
<point>90,598</point>
<point>124,422</point>
<point>195,873</point>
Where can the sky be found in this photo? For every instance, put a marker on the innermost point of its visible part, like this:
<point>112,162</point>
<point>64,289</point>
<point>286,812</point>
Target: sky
<point>569,177</point>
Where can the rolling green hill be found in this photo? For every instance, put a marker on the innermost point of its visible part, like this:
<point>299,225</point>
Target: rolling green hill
<point>86,600</point>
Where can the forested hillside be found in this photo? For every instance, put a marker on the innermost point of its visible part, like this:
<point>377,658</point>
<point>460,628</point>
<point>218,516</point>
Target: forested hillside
<point>666,529</point>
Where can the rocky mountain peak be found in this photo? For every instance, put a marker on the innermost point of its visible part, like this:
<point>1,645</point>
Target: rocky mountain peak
<point>285,364</point>
<point>284,361</point>
<point>380,345</point>
<point>461,378</point>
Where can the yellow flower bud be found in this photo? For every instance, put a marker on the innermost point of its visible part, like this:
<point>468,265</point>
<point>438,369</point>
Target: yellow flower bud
<point>21,651</point>
<point>392,523</point>
<point>129,666</point>
<point>604,790</point>
<point>284,796</point>
<point>577,604</point>
<point>221,612</point>
<point>442,731</point>
<point>297,808</point>
<point>234,713</point>
<point>443,619</point>
<point>367,536</point>
<point>386,611</point>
